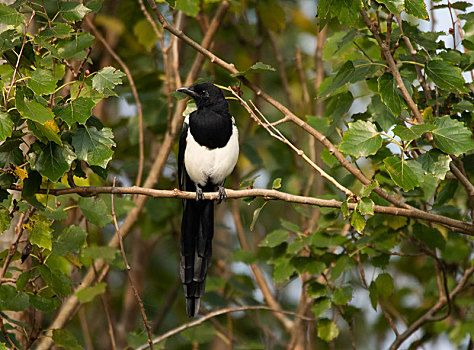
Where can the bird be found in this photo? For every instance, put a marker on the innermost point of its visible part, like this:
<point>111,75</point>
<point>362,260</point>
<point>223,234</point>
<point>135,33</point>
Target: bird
<point>208,152</point>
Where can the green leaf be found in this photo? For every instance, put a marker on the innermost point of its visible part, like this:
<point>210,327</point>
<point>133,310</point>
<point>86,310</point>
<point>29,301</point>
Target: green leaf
<point>10,17</point>
<point>42,82</point>
<point>445,75</point>
<point>401,172</point>
<point>384,284</point>
<point>40,232</point>
<point>53,161</point>
<point>381,114</point>
<point>95,210</point>
<point>416,8</point>
<point>48,131</point>
<point>416,131</point>
<point>94,146</point>
<point>57,30</point>
<point>366,206</point>
<point>435,163</point>
<point>320,306</point>
<point>345,209</point>
<point>452,136</point>
<point>6,126</point>
<point>394,6</point>
<point>341,296</point>
<point>357,221</point>
<point>276,183</point>
<point>79,110</point>
<point>87,294</point>
<point>317,290</point>
<point>106,79</point>
<point>73,47</point>
<point>327,329</point>
<point>95,5</point>
<point>283,269</point>
<point>56,280</point>
<point>22,280</point>
<point>189,7</point>
<point>257,67</point>
<point>256,214</point>
<point>343,263</point>
<point>70,240</point>
<point>346,11</point>
<point>275,238</point>
<point>342,77</point>
<point>5,220</point>
<point>361,140</point>
<point>63,338</point>
<point>12,301</point>
<point>391,94</point>
<point>373,295</point>
<point>32,109</point>
<point>45,304</point>
<point>145,34</point>
<point>73,11</point>
<point>429,236</point>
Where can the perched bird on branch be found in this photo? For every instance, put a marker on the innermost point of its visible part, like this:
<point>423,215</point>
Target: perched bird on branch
<point>208,152</point>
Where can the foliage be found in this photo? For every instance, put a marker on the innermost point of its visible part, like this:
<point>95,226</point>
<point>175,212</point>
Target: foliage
<point>67,118</point>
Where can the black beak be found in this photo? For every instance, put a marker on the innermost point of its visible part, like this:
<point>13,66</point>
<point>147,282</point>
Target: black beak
<point>187,90</point>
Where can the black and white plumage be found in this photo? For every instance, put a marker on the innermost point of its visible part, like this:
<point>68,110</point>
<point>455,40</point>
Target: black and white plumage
<point>208,152</point>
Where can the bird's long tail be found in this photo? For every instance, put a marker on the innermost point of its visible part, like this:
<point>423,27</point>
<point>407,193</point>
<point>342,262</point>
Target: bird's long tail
<point>197,231</point>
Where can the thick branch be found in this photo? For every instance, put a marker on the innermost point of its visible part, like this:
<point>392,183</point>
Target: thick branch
<point>462,226</point>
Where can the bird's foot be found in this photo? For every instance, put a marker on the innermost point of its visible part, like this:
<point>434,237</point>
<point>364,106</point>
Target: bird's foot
<point>222,194</point>
<point>199,194</point>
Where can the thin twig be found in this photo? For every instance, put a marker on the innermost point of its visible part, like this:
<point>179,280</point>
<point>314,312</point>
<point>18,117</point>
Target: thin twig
<point>130,278</point>
<point>141,151</point>
<point>13,247</point>
<point>5,334</point>
<point>218,313</point>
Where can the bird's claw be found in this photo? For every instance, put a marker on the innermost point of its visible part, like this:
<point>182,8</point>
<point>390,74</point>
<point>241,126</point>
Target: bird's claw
<point>199,194</point>
<point>222,194</point>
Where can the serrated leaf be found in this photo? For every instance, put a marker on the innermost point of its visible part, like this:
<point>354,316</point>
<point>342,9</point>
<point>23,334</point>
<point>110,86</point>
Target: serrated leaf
<point>257,67</point>
<point>343,263</point>
<point>366,206</point>
<point>12,301</point>
<point>317,290</point>
<point>362,139</point>
<point>381,114</point>
<point>256,214</point>
<point>320,306</point>
<point>73,47</point>
<point>401,172</point>
<point>10,17</point>
<point>106,79</point>
<point>357,221</point>
<point>342,77</point>
<point>6,126</point>
<point>394,6</point>
<point>73,11</point>
<point>416,8</point>
<point>70,240</point>
<point>429,236</point>
<point>95,5</point>
<point>327,329</point>
<point>54,161</point>
<point>384,284</point>
<point>57,30</point>
<point>435,163</point>
<point>452,136</point>
<point>341,295</point>
<point>78,111</point>
<point>56,280</point>
<point>94,146</point>
<point>63,338</point>
<point>40,232</point>
<point>275,238</point>
<point>283,269</point>
<point>95,210</point>
<point>32,110</point>
<point>346,11</point>
<point>87,294</point>
<point>416,131</point>
<point>391,95</point>
<point>48,131</point>
<point>42,82</point>
<point>445,75</point>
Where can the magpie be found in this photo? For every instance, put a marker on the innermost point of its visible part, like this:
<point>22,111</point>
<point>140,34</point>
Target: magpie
<point>208,152</point>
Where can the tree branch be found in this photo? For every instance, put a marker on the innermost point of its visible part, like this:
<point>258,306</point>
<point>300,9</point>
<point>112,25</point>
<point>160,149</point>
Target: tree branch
<point>462,226</point>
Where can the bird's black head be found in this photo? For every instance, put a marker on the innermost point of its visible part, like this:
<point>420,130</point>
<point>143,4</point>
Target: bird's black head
<point>206,95</point>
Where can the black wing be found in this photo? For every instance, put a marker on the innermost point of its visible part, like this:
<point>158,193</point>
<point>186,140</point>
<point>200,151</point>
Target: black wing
<point>181,168</point>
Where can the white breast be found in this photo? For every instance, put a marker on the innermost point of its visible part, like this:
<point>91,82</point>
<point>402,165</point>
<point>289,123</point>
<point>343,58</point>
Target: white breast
<point>204,164</point>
